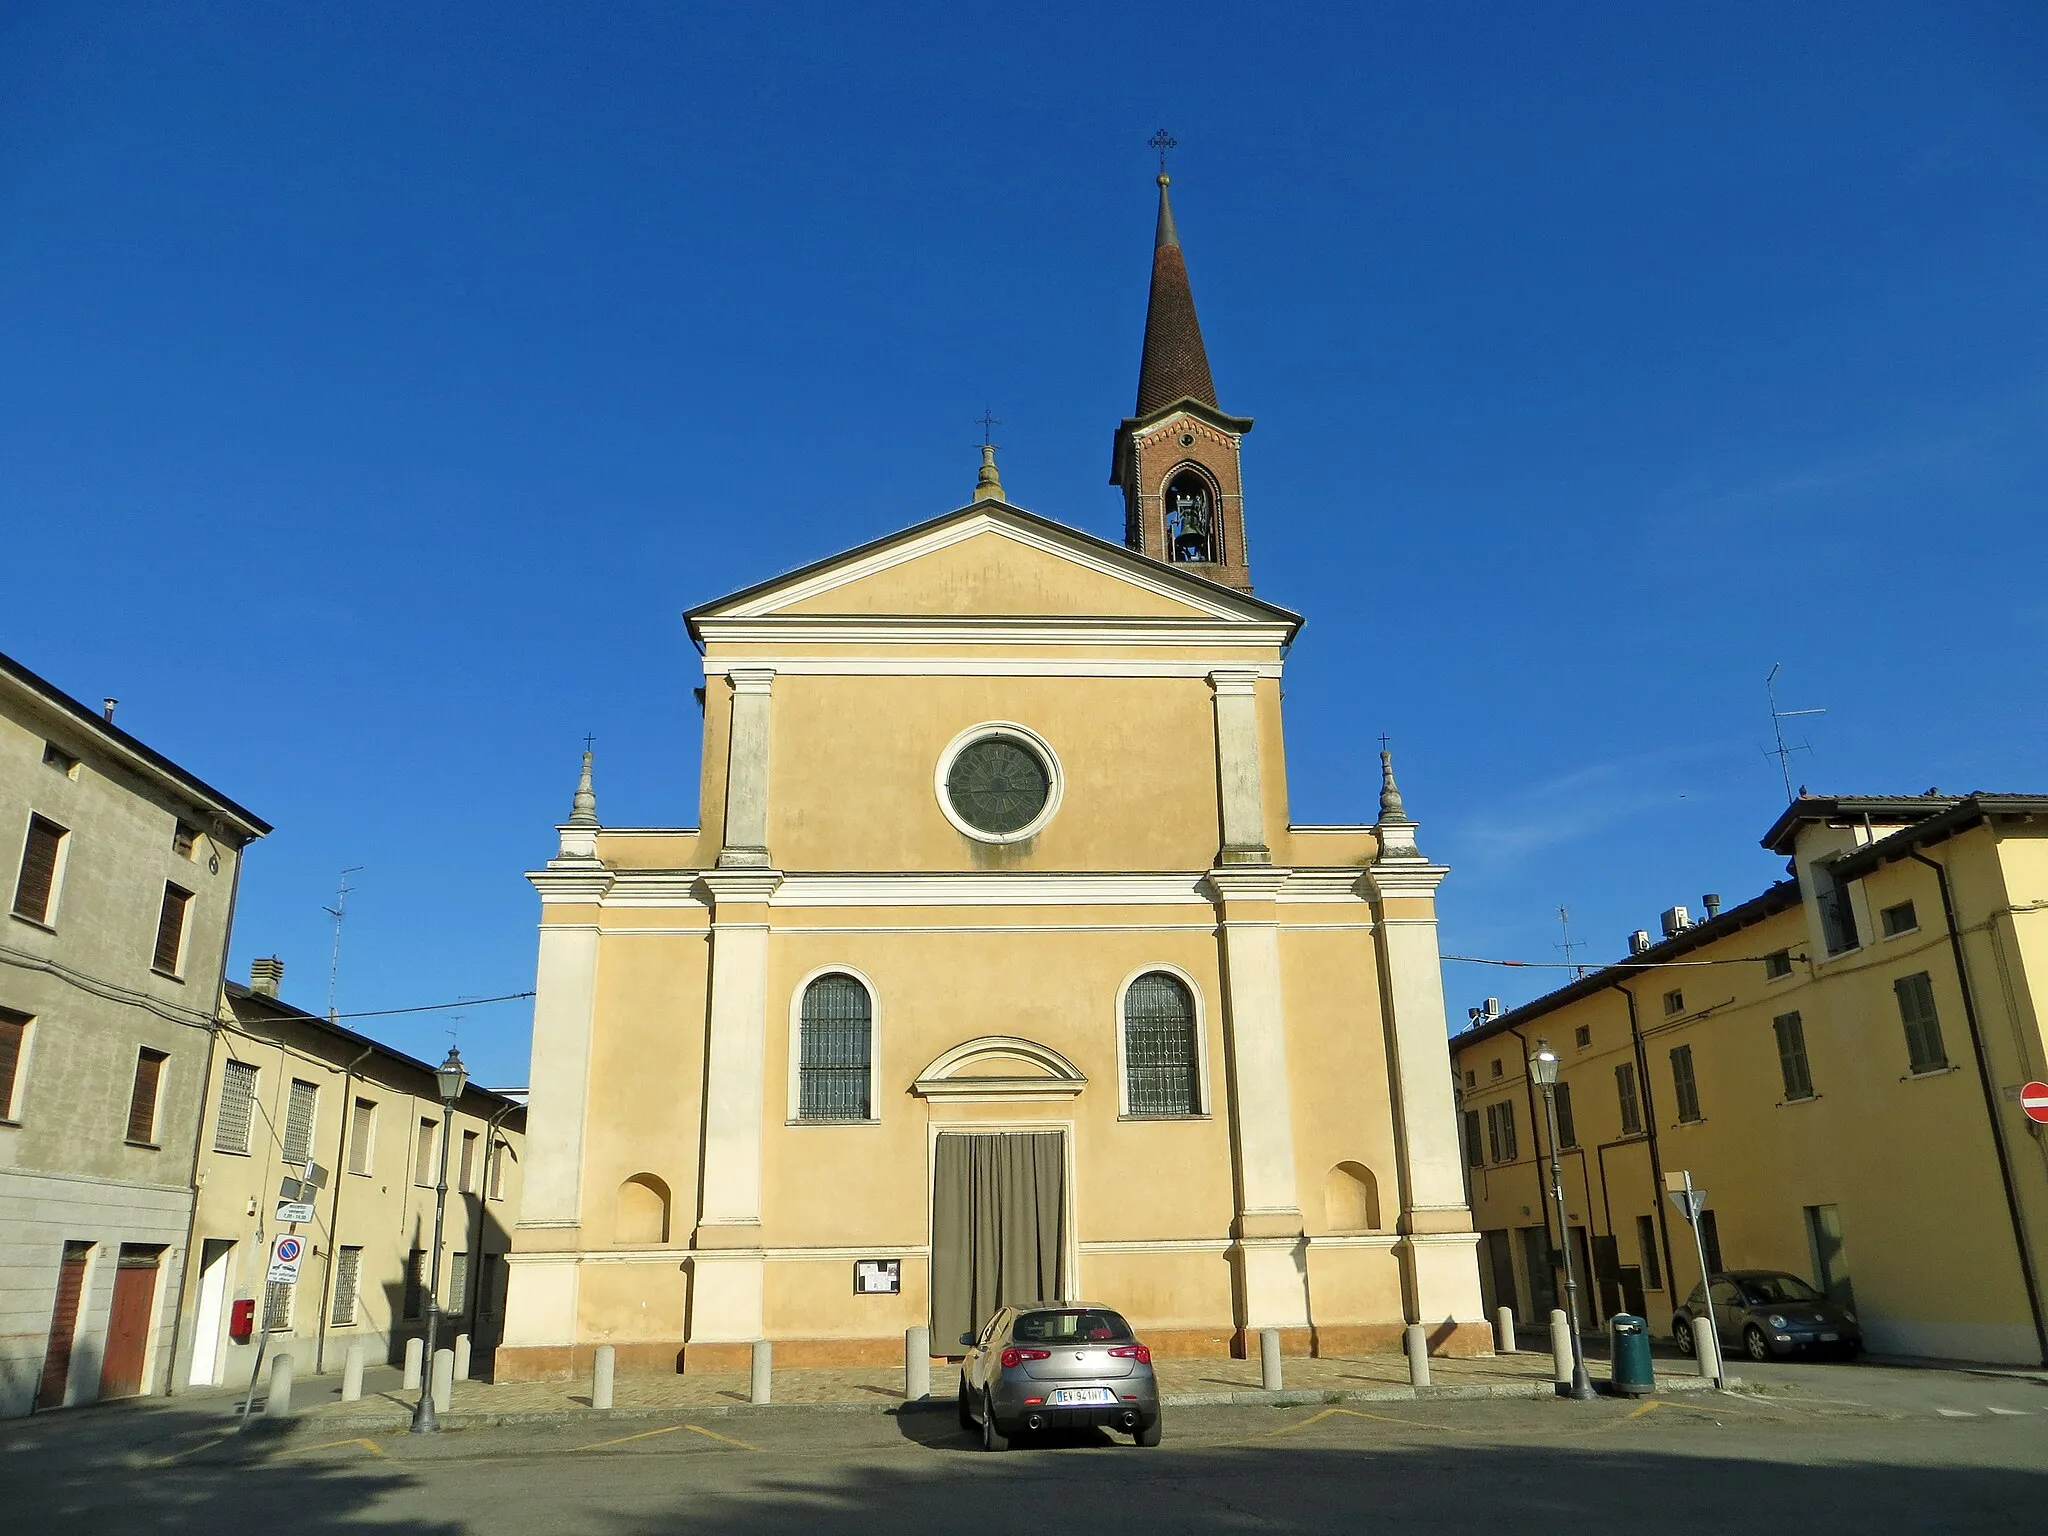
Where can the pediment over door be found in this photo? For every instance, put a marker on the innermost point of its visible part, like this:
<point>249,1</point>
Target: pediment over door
<point>1000,1068</point>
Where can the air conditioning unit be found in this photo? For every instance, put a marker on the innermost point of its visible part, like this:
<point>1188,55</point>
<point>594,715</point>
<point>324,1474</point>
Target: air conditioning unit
<point>1675,922</point>
<point>1639,941</point>
<point>1493,1008</point>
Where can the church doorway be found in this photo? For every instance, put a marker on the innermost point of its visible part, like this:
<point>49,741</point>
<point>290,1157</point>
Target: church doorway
<point>998,1227</point>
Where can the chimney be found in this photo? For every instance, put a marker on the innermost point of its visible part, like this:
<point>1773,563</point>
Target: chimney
<point>107,708</point>
<point>265,975</point>
<point>1713,905</point>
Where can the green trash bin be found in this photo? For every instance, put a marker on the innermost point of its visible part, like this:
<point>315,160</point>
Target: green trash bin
<point>1628,1355</point>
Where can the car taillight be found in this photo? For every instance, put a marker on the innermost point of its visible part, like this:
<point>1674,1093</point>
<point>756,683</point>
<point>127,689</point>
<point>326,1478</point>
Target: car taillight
<point>1137,1352</point>
<point>1016,1357</point>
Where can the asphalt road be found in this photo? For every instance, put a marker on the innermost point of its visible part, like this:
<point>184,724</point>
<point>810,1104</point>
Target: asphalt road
<point>1818,1450</point>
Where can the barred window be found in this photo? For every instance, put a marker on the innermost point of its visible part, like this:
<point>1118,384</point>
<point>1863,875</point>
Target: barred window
<point>237,1108</point>
<point>1159,1046</point>
<point>457,1303</point>
<point>348,1269</point>
<point>277,1306</point>
<point>298,1122</point>
<point>415,1284</point>
<point>835,1039</point>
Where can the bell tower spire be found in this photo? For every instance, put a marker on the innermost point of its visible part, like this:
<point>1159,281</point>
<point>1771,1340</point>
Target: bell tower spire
<point>1176,457</point>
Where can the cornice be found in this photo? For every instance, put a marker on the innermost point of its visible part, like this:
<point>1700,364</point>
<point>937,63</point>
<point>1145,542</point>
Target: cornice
<point>1007,629</point>
<point>571,880</point>
<point>1247,882</point>
<point>740,885</point>
<point>1404,877</point>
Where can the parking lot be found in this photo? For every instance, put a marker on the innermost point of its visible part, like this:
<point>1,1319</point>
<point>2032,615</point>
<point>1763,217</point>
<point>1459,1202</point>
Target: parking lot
<point>1814,1448</point>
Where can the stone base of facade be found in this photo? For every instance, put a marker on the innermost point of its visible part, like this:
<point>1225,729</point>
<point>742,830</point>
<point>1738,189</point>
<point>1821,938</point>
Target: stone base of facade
<point>570,1362</point>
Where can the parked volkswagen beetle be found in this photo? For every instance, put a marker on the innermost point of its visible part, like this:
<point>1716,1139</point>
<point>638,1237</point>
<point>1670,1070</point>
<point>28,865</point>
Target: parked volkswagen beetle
<point>1768,1313</point>
<point>1057,1365</point>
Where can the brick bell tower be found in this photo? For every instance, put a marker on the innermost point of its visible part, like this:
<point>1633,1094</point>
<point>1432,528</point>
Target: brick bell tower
<point>1177,456</point>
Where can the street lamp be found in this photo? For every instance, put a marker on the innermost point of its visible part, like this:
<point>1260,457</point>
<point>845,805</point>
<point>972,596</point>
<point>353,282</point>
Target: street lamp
<point>1543,1067</point>
<point>449,1077</point>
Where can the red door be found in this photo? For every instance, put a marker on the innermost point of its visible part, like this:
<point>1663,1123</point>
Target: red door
<point>63,1325</point>
<point>128,1327</point>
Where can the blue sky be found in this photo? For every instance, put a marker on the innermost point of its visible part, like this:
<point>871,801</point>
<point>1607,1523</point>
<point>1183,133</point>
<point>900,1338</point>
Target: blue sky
<point>379,383</point>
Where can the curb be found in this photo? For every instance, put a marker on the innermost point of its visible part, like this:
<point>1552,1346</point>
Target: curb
<point>455,1419</point>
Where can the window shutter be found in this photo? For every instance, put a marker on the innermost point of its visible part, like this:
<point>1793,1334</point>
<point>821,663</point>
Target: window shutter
<point>347,1270</point>
<point>1682,1084</point>
<point>458,1285</point>
<point>360,1124</point>
<point>170,930</point>
<point>298,1122</point>
<point>834,1038</point>
<point>423,1157</point>
<point>1507,1131</point>
<point>1475,1153</point>
<point>13,1032</point>
<point>1159,1046</point>
<point>1625,1093</point>
<point>149,1066</point>
<point>1567,1131</point>
<point>38,870</point>
<point>1924,1049</point>
<point>1792,1065</point>
<point>237,1108</point>
<point>415,1281</point>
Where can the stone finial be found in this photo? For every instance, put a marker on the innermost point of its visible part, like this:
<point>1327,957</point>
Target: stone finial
<point>583,809</point>
<point>1397,830</point>
<point>988,486</point>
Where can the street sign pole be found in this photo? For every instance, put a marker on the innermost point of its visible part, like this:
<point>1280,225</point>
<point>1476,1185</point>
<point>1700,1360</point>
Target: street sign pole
<point>1690,1203</point>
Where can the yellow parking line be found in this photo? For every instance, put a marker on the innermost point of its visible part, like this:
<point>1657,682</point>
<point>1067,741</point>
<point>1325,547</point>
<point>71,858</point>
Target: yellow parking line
<point>722,1439</point>
<point>369,1445</point>
<point>645,1434</point>
<point>1354,1413</point>
<point>165,1461</point>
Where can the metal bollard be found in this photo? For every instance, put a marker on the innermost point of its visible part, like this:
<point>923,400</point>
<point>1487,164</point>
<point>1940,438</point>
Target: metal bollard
<point>1416,1337</point>
<point>764,1365</point>
<point>1269,1359</point>
<point>1707,1350</point>
<point>917,1363</point>
<point>352,1372</point>
<point>603,1375</point>
<point>279,1404</point>
<point>1560,1348</point>
<point>1504,1330</point>
<point>444,1379</point>
<point>415,1360</point>
<point>462,1357</point>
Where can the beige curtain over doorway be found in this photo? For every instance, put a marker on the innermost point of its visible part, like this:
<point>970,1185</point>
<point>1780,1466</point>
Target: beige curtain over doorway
<point>997,1227</point>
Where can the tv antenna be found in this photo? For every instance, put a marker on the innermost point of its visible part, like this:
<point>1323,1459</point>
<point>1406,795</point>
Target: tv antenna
<point>1570,946</point>
<point>1782,752</point>
<point>338,911</point>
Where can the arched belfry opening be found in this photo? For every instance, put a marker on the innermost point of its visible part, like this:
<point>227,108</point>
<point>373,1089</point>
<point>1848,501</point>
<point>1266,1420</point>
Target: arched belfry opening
<point>1192,533</point>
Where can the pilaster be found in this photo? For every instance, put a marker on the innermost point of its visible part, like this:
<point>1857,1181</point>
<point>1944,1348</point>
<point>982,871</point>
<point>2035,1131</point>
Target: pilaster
<point>746,770</point>
<point>1237,767</point>
<point>564,1003</point>
<point>1267,1232</point>
<point>726,1267</point>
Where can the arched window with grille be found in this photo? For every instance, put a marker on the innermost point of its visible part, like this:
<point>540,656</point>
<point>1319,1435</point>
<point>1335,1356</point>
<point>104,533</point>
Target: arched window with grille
<point>1160,1068</point>
<point>835,1044</point>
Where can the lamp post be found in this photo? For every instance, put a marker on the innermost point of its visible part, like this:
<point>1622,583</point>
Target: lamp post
<point>1543,1067</point>
<point>449,1077</point>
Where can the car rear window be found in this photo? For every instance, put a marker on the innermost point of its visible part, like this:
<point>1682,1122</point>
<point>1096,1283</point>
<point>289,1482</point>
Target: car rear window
<point>1764,1290</point>
<point>1082,1325</point>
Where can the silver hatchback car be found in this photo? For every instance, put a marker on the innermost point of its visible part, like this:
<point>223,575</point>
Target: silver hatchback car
<point>1057,1365</point>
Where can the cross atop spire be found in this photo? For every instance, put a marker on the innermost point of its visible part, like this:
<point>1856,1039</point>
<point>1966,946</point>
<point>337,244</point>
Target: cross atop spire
<point>1162,141</point>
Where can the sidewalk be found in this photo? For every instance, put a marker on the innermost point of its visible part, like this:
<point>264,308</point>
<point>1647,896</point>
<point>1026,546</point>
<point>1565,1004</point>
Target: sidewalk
<point>1183,1383</point>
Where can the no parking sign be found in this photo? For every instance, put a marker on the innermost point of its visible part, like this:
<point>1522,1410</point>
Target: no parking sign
<point>285,1259</point>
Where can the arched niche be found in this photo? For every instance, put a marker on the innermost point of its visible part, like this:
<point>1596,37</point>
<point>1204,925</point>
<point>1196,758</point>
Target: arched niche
<point>642,1218</point>
<point>1351,1199</point>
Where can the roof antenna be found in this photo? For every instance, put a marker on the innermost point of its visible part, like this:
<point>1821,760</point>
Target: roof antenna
<point>338,911</point>
<point>1570,946</point>
<point>1784,753</point>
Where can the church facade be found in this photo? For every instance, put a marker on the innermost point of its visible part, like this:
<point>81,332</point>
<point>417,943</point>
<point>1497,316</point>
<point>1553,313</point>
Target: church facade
<point>997,970</point>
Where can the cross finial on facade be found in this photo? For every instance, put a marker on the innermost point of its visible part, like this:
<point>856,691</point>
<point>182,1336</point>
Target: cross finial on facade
<point>988,421</point>
<point>1162,141</point>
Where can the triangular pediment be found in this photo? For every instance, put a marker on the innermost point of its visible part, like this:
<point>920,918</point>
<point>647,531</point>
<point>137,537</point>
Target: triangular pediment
<point>995,561</point>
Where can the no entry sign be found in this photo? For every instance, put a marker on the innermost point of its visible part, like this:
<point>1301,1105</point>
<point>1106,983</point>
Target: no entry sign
<point>2034,1100</point>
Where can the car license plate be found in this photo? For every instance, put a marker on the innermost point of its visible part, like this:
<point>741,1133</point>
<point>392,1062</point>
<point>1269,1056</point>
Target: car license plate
<point>1074,1397</point>
<point>1830,1338</point>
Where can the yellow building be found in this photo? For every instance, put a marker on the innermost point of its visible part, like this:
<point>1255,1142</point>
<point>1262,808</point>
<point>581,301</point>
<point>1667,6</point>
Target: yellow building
<point>997,969</point>
<point>1837,1062</point>
<point>285,1087</point>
